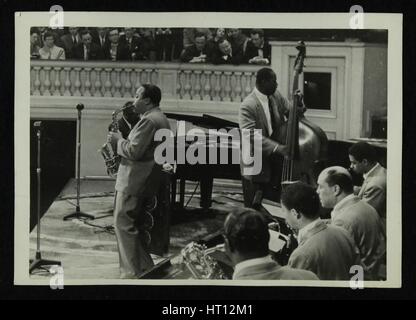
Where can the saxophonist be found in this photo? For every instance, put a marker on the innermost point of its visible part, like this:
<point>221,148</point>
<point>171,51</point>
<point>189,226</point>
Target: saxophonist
<point>137,182</point>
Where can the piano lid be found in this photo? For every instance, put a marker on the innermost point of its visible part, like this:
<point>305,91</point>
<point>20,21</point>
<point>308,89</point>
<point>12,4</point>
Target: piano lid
<point>205,121</point>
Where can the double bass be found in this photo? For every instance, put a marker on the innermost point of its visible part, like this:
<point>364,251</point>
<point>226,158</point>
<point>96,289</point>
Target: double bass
<point>307,143</point>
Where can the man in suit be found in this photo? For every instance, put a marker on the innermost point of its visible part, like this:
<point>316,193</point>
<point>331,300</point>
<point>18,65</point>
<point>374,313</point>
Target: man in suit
<point>114,49</point>
<point>87,50</point>
<point>363,160</point>
<point>226,54</point>
<point>258,50</point>
<point>133,44</point>
<point>138,180</point>
<point>247,244</point>
<point>264,109</point>
<point>326,250</point>
<point>100,37</point>
<point>238,41</point>
<point>70,41</point>
<point>335,190</point>
<point>197,52</point>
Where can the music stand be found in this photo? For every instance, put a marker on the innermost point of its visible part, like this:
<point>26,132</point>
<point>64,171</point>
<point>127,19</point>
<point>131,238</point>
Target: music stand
<point>78,214</point>
<point>38,261</point>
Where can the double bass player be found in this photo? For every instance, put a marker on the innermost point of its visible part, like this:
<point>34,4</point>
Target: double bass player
<point>266,109</point>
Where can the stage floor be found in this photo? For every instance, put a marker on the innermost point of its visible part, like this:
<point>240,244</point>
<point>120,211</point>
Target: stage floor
<point>88,249</point>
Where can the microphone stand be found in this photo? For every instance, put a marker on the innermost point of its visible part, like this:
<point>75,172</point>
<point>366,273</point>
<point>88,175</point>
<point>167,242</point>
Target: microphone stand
<point>78,214</point>
<point>38,261</point>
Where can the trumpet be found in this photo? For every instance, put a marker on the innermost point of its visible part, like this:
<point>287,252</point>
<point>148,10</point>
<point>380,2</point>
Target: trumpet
<point>111,158</point>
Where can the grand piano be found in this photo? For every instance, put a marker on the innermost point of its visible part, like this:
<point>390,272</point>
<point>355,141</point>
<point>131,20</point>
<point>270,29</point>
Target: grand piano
<point>204,174</point>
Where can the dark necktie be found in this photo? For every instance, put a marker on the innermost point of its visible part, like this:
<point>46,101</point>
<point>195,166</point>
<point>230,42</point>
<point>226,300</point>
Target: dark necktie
<point>273,117</point>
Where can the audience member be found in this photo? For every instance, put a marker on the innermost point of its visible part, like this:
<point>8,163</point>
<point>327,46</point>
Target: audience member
<point>238,42</point>
<point>34,43</point>
<point>258,50</point>
<point>133,43</point>
<point>326,250</point>
<point>87,50</point>
<point>164,44</point>
<point>70,41</point>
<point>189,35</point>
<point>247,244</point>
<point>226,54</point>
<point>114,50</point>
<point>49,51</point>
<point>148,49</point>
<point>196,53</point>
<point>335,190</point>
<point>212,44</point>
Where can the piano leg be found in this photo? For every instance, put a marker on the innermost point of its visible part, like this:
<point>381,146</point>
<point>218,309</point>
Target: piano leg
<point>206,192</point>
<point>182,193</point>
<point>173,192</point>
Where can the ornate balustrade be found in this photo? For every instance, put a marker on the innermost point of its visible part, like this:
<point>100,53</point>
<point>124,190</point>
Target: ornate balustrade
<point>202,82</point>
<point>57,86</point>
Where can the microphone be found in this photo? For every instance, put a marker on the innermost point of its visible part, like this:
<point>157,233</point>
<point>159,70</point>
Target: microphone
<point>80,106</point>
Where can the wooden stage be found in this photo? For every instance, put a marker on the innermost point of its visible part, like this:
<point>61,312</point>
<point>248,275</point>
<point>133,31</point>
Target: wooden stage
<point>88,249</point>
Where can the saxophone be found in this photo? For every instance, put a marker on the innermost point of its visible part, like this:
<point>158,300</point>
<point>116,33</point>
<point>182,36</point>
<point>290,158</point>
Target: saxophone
<point>202,266</point>
<point>111,158</point>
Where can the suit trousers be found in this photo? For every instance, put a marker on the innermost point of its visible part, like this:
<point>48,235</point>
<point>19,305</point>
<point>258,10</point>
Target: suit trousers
<point>130,227</point>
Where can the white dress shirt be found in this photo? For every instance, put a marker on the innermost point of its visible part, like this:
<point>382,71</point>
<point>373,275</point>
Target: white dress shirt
<point>264,100</point>
<point>365,175</point>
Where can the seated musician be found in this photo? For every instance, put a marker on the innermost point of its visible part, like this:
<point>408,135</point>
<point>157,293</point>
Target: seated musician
<point>363,160</point>
<point>265,109</point>
<point>247,244</point>
<point>326,250</point>
<point>335,189</point>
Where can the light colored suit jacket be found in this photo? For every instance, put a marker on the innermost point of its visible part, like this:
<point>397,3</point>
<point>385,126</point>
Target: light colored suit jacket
<point>363,223</point>
<point>273,271</point>
<point>327,251</point>
<point>138,173</point>
<point>252,116</point>
<point>373,190</point>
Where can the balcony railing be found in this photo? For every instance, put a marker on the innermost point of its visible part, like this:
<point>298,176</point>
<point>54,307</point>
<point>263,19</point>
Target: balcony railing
<point>200,82</point>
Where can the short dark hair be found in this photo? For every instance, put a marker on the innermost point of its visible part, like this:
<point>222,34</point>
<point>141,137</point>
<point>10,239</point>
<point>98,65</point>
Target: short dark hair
<point>34,30</point>
<point>343,180</point>
<point>363,150</point>
<point>264,74</point>
<point>84,32</point>
<point>222,39</point>
<point>260,32</point>
<point>112,29</point>
<point>153,93</point>
<point>49,34</point>
<point>199,34</point>
<point>301,197</point>
<point>247,232</point>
